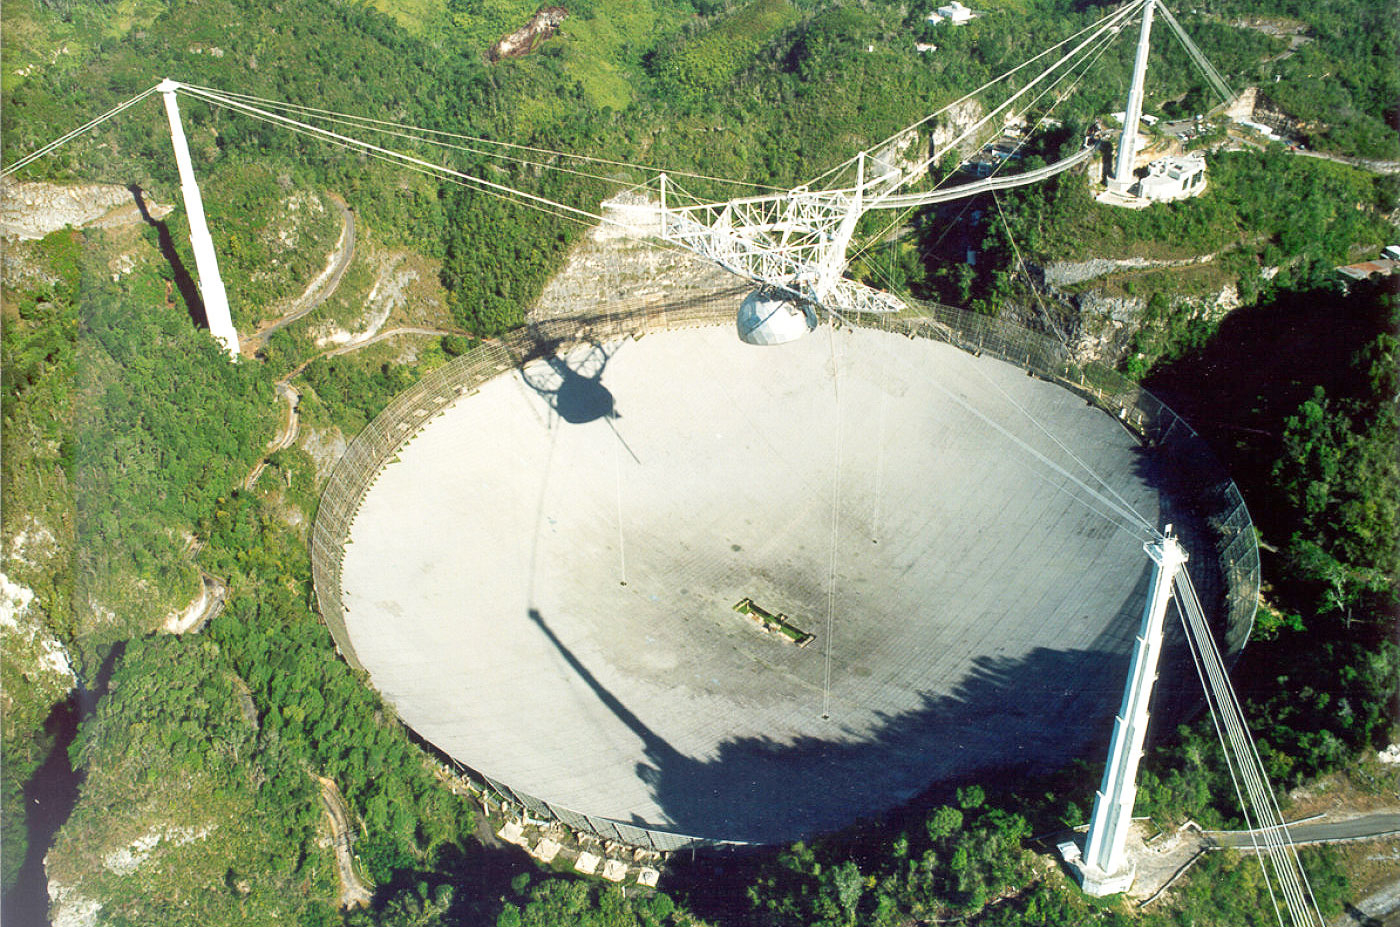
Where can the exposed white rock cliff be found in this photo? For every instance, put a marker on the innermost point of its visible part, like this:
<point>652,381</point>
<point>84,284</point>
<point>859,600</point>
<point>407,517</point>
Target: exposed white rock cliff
<point>36,209</point>
<point>70,908</point>
<point>41,658</point>
<point>129,858</point>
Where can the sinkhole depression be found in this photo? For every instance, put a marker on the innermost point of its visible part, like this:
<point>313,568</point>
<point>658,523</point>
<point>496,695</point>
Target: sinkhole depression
<point>682,589</point>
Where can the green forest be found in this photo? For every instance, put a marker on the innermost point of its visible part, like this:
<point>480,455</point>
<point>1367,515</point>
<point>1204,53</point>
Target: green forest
<point>128,438</point>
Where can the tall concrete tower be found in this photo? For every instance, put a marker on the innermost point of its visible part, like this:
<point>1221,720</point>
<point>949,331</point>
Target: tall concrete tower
<point>1104,868</point>
<point>1122,180</point>
<point>211,285</point>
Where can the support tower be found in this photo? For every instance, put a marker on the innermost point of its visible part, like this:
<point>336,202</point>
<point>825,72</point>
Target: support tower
<point>1104,868</point>
<point>211,285</point>
<point>1122,181</point>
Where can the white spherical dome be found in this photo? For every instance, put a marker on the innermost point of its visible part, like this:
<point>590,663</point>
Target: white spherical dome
<point>767,318</point>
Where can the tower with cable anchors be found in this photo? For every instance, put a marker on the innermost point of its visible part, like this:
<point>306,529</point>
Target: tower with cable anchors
<point>794,244</point>
<point>1103,866</point>
<point>1122,180</point>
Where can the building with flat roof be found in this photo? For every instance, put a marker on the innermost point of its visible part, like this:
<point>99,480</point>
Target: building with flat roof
<point>954,12</point>
<point>1174,178</point>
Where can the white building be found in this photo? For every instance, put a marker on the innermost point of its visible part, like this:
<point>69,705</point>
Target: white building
<point>954,12</point>
<point>1122,117</point>
<point>1174,178</point>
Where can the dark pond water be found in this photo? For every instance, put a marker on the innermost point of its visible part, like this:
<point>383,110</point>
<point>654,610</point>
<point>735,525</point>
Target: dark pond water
<point>49,798</point>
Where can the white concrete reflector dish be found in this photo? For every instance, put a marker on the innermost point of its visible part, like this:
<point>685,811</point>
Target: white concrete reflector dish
<point>543,581</point>
<point>766,318</point>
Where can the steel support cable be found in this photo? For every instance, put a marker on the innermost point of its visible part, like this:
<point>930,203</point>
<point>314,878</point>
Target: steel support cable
<point>1265,808</point>
<point>369,122</point>
<point>85,127</point>
<point>439,143</point>
<point>1219,716</point>
<point>424,167</point>
<point>1302,904</point>
<point>1087,61</point>
<point>1105,41</point>
<point>364,124</point>
<point>1104,35</point>
<point>1108,23</point>
<point>1125,519</point>
<point>1212,76</point>
<point>1298,897</point>
<point>1117,14</point>
<point>1219,690</point>
<point>388,152</point>
<point>1098,32</point>
<point>660,245</point>
<point>835,528</point>
<point>674,187</point>
<point>431,173</point>
<point>462,183</point>
<point>1265,828</point>
<point>1021,262</point>
<point>1191,647</point>
<point>439,174</point>
<point>663,246</point>
<point>1124,505</point>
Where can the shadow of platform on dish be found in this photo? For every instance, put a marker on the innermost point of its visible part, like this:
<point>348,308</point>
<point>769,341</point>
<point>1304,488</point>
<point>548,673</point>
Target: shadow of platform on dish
<point>1031,713</point>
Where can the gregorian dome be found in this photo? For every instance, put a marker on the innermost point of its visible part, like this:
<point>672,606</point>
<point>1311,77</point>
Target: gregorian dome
<point>766,318</point>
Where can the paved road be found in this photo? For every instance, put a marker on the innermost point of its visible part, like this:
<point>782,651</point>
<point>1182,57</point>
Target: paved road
<point>1379,167</point>
<point>1365,164</point>
<point>1366,827</point>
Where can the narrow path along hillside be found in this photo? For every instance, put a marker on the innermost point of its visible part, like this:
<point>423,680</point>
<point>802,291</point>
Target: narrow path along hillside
<point>319,289</point>
<point>353,892</point>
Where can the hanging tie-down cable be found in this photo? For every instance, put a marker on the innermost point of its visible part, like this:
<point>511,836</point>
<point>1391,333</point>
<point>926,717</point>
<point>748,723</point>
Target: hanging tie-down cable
<point>1266,827</point>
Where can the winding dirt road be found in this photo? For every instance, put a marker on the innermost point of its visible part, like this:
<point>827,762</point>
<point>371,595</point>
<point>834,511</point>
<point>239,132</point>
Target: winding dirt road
<point>318,290</point>
<point>286,435</point>
<point>353,892</point>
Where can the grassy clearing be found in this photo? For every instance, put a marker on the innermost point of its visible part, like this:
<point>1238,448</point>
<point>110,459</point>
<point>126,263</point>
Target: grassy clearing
<point>417,16</point>
<point>603,49</point>
<point>38,39</point>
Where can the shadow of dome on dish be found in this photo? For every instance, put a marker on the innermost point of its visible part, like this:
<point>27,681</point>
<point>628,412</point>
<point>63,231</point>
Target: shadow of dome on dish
<point>572,384</point>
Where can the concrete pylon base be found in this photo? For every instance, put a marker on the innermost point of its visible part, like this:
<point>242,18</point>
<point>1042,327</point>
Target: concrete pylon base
<point>1091,878</point>
<point>1111,197</point>
<point>1098,883</point>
